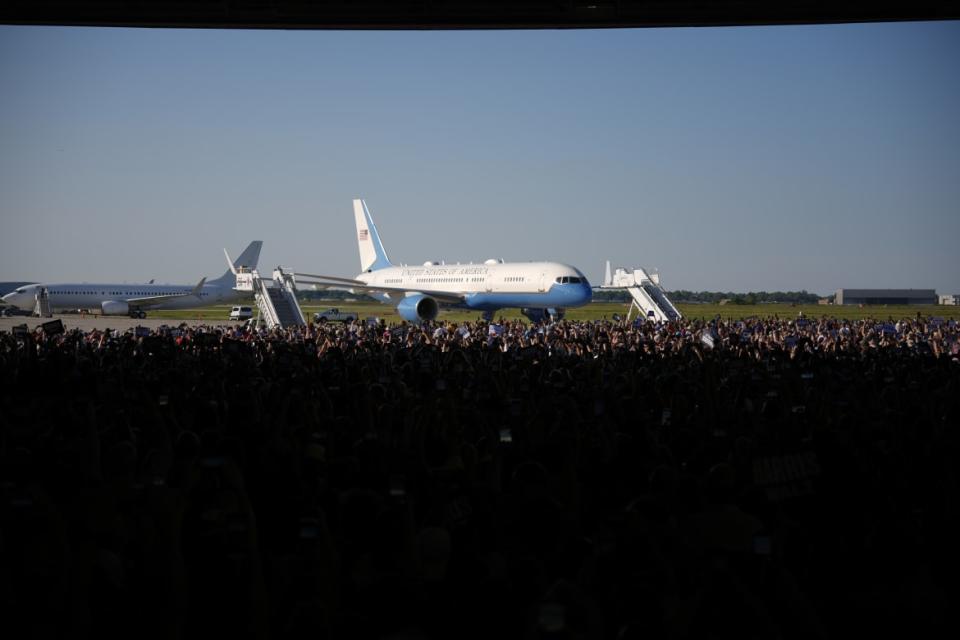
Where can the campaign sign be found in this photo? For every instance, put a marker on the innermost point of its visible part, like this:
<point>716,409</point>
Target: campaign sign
<point>707,340</point>
<point>787,476</point>
<point>53,327</point>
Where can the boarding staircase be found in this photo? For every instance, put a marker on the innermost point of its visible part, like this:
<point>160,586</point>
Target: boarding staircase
<point>661,300</point>
<point>648,297</point>
<point>41,308</point>
<point>276,299</point>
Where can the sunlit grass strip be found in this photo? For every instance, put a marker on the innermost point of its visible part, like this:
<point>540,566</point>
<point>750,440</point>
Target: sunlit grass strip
<point>600,310</point>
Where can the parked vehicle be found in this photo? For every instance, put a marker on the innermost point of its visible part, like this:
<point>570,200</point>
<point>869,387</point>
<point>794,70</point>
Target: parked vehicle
<point>9,312</point>
<point>334,315</point>
<point>241,313</point>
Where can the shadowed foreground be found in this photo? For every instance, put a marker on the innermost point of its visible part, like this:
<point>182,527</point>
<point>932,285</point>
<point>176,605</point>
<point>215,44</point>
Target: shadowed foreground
<point>588,480</point>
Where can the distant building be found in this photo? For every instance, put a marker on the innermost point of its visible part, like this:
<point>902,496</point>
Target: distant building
<point>886,296</point>
<point>825,301</point>
<point>952,299</point>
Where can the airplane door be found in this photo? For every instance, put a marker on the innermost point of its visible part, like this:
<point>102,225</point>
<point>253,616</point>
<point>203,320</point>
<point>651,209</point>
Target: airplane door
<point>543,279</point>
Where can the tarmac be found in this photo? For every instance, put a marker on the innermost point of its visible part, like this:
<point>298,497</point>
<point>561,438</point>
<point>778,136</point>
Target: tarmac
<point>90,322</point>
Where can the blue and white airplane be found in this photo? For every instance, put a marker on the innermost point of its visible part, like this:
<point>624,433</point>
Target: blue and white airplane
<point>539,289</point>
<point>135,299</point>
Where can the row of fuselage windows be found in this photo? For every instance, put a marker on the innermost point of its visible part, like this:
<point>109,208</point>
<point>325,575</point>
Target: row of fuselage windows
<point>473,279</point>
<point>110,293</point>
<point>559,280</point>
<point>436,280</point>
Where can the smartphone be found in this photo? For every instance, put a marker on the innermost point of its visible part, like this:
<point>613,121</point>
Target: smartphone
<point>665,417</point>
<point>762,545</point>
<point>213,462</point>
<point>309,528</point>
<point>397,486</point>
<point>552,618</point>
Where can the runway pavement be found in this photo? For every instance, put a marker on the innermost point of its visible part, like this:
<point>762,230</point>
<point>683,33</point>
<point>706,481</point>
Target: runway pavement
<point>90,322</point>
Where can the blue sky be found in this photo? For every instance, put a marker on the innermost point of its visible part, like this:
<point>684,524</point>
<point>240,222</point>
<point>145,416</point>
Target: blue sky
<point>802,157</point>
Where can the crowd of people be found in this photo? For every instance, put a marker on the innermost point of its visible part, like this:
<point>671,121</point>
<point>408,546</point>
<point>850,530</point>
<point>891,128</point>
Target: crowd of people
<point>769,478</point>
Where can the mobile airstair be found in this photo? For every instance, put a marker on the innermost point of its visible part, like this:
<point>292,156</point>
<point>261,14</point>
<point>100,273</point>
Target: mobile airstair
<point>41,308</point>
<point>276,299</point>
<point>647,296</point>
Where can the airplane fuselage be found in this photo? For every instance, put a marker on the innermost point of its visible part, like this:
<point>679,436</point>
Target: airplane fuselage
<point>492,285</point>
<point>137,299</point>
<point>64,296</point>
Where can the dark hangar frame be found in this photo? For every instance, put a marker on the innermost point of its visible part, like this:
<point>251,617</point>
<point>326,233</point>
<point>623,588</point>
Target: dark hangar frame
<point>463,14</point>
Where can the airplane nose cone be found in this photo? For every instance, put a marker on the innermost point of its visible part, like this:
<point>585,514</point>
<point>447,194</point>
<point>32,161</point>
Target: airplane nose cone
<point>15,299</point>
<point>587,291</point>
<point>574,295</point>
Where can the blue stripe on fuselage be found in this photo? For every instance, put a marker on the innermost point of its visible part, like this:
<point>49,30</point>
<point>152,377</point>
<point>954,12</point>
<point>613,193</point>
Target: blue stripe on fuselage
<point>557,296</point>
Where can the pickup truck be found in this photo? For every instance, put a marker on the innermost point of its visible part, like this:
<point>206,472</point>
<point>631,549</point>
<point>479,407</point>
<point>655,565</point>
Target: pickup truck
<point>331,315</point>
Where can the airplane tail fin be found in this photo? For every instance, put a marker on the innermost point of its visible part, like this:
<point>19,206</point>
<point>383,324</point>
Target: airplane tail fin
<point>372,254</point>
<point>248,260</point>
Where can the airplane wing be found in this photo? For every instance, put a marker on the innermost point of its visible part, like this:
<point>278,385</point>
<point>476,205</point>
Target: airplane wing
<point>332,282</point>
<point>331,279</point>
<point>148,301</point>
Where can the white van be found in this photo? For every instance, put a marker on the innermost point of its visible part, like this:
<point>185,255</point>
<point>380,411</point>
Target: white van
<point>334,315</point>
<point>241,313</point>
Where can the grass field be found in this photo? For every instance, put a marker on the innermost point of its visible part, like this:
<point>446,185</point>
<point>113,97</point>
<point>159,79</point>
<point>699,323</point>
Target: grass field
<point>598,310</point>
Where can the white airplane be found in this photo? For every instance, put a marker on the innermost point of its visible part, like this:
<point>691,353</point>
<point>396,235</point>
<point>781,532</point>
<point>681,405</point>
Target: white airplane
<point>135,299</point>
<point>539,289</point>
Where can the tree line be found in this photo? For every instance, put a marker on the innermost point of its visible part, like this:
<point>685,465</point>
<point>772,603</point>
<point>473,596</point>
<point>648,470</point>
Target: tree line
<point>621,295</point>
<point>715,297</point>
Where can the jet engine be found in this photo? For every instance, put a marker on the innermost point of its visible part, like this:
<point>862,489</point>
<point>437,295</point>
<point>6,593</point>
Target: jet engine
<point>115,308</point>
<point>418,308</point>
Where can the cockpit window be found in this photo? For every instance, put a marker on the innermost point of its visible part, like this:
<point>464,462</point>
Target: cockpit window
<point>568,280</point>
